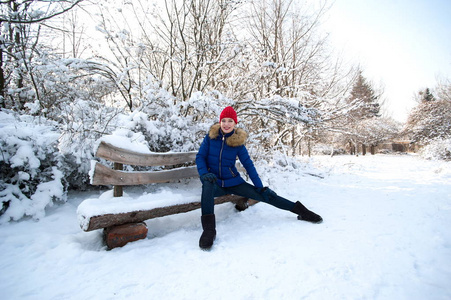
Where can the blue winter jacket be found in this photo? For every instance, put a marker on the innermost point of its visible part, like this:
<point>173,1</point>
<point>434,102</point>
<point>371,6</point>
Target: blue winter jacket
<point>218,152</point>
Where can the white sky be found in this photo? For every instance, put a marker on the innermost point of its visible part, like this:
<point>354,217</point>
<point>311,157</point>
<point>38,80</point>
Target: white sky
<point>405,45</point>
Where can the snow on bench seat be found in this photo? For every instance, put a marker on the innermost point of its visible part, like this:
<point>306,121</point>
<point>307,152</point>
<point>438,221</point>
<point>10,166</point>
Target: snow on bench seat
<point>107,210</point>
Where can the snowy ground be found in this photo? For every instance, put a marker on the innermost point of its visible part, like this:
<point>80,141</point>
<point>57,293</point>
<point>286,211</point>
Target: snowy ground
<point>386,235</point>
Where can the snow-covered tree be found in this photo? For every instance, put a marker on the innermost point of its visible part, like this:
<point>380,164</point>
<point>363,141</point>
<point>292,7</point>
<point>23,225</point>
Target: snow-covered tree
<point>375,131</point>
<point>359,123</point>
<point>443,89</point>
<point>187,46</point>
<point>365,98</point>
<point>425,96</point>
<point>288,81</point>
<point>430,119</point>
<point>20,25</point>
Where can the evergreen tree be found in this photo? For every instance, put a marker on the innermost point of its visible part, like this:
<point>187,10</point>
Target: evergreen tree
<point>426,96</point>
<point>366,99</point>
<point>364,104</point>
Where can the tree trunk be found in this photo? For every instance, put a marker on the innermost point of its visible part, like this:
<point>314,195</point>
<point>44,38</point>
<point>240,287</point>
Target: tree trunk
<point>373,149</point>
<point>2,80</point>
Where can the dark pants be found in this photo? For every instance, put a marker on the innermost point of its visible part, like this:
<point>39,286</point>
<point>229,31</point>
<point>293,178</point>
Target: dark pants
<point>211,190</point>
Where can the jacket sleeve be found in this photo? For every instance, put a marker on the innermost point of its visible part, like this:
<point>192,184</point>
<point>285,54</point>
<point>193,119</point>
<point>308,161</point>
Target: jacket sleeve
<point>248,164</point>
<point>201,156</point>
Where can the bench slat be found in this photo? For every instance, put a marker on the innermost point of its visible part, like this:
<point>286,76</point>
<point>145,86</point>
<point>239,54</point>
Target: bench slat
<point>128,157</point>
<point>107,220</point>
<point>106,176</point>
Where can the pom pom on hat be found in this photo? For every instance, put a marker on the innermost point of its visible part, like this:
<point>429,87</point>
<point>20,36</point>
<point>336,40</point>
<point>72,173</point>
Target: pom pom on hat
<point>228,112</point>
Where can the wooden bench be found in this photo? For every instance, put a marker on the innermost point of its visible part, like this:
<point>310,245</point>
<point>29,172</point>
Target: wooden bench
<point>126,226</point>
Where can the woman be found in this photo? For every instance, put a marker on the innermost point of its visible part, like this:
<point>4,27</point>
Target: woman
<point>216,166</point>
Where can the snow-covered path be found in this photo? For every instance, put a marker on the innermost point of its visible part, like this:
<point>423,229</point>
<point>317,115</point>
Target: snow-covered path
<point>386,235</point>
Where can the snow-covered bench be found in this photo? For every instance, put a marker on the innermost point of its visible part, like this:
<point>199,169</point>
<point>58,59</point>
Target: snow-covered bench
<point>121,216</point>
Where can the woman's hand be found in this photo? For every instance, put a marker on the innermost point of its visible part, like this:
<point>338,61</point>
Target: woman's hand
<point>209,177</point>
<point>266,193</point>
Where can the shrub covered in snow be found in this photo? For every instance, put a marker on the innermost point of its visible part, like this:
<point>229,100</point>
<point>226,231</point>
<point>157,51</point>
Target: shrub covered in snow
<point>165,124</point>
<point>437,150</point>
<point>162,124</point>
<point>30,177</point>
<point>81,124</point>
<point>429,121</point>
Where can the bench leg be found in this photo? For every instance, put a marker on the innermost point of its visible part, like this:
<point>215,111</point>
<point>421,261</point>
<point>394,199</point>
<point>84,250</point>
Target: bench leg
<point>118,188</point>
<point>120,235</point>
<point>242,203</point>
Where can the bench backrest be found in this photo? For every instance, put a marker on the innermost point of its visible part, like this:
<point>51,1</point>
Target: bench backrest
<point>103,175</point>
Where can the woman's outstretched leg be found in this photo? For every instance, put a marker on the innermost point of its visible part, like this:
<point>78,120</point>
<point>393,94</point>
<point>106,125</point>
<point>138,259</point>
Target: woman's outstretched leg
<point>269,196</point>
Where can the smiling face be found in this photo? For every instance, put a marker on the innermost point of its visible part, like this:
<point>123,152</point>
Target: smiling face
<point>227,125</point>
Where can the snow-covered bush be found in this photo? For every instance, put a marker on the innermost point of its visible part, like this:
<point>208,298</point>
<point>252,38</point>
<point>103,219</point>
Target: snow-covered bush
<point>281,163</point>
<point>323,149</point>
<point>173,125</point>
<point>30,177</point>
<point>429,121</point>
<point>437,150</point>
<point>162,124</point>
<point>83,122</point>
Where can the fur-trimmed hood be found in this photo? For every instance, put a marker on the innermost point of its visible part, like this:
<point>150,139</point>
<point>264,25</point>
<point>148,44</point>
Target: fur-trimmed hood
<point>237,138</point>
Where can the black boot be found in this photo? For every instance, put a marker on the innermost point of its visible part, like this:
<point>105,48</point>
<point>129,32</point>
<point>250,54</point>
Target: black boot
<point>305,214</point>
<point>209,234</point>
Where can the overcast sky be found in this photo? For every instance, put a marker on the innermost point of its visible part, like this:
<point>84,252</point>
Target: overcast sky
<point>404,44</point>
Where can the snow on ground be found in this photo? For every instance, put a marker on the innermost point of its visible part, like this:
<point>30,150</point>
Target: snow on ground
<point>386,235</point>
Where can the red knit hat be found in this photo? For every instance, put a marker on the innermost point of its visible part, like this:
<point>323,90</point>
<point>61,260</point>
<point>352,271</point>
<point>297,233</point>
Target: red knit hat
<point>228,112</point>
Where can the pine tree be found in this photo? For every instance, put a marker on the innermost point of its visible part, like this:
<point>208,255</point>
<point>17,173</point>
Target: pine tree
<point>426,96</point>
<point>365,98</point>
<point>364,107</point>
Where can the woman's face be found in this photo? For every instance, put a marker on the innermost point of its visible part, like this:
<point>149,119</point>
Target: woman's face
<point>227,125</point>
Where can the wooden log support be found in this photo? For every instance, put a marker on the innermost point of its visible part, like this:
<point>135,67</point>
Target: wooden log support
<point>118,236</point>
